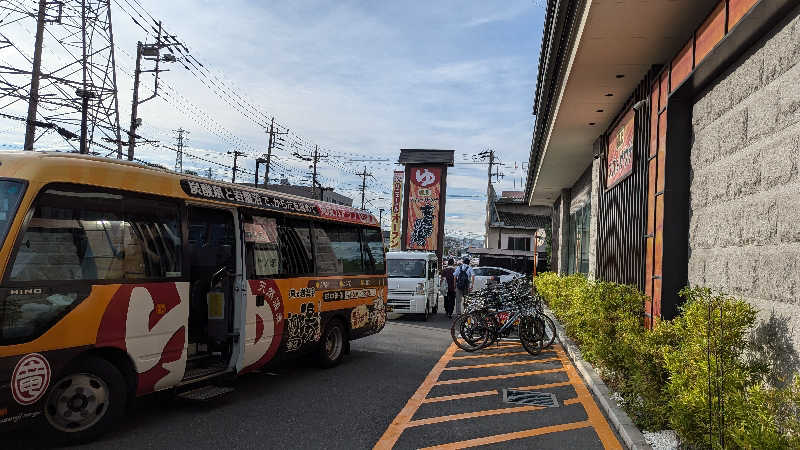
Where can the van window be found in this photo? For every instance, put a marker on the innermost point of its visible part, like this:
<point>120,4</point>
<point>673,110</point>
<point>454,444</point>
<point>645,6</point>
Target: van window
<point>405,268</point>
<point>338,249</point>
<point>76,234</point>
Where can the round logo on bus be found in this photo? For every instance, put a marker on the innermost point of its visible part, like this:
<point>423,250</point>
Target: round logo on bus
<point>30,379</point>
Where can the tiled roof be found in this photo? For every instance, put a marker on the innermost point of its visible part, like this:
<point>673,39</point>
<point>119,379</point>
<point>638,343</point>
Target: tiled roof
<point>512,194</point>
<point>509,219</point>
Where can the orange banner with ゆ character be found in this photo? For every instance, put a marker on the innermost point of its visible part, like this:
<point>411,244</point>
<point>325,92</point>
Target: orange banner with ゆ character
<point>424,191</point>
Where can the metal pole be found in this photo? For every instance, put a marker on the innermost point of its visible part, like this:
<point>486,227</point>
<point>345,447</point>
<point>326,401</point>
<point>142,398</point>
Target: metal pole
<point>114,77</point>
<point>85,92</point>
<point>135,102</point>
<point>314,175</point>
<point>363,186</point>
<point>269,151</point>
<point>33,100</point>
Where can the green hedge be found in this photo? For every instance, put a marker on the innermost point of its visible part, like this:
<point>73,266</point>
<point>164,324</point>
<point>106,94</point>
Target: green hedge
<point>689,374</point>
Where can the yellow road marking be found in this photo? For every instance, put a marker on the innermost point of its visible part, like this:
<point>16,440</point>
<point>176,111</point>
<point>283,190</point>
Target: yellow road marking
<point>511,436</point>
<point>444,398</point>
<point>596,420</point>
<point>512,363</point>
<point>400,422</point>
<point>487,412</point>
<point>543,386</point>
<point>596,417</point>
<point>499,377</point>
<point>490,355</point>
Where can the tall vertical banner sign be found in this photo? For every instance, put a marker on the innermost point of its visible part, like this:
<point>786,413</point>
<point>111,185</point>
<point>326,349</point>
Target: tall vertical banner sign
<point>620,151</point>
<point>424,192</point>
<point>397,207</point>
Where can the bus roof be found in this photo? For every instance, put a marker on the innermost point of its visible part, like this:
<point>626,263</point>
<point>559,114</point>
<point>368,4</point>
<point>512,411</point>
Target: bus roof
<point>49,167</point>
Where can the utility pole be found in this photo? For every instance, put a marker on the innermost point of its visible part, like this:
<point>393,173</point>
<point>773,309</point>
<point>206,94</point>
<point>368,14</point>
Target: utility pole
<point>314,159</point>
<point>210,174</point>
<point>84,92</point>
<point>180,144</point>
<point>33,100</point>
<point>380,217</point>
<point>135,102</point>
<point>274,141</point>
<point>236,154</point>
<point>150,52</point>
<point>488,154</point>
<point>363,176</point>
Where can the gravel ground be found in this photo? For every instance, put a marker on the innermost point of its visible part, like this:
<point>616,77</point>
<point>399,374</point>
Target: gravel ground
<point>662,440</point>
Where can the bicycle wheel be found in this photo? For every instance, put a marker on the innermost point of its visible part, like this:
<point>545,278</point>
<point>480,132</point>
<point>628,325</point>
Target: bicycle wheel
<point>469,331</point>
<point>531,334</point>
<point>550,332</point>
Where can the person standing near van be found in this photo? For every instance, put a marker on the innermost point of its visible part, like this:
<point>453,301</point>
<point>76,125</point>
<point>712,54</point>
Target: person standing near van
<point>449,278</point>
<point>464,279</point>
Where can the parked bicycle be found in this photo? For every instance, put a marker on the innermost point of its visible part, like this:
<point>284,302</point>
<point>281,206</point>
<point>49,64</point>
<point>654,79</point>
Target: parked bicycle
<point>498,312</point>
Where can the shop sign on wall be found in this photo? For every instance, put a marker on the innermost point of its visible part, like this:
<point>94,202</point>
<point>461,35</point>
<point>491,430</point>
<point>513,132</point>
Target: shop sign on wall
<point>619,156</point>
<point>424,192</point>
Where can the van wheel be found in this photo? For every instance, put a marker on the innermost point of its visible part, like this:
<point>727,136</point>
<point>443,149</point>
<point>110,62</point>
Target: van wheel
<point>331,346</point>
<point>86,401</point>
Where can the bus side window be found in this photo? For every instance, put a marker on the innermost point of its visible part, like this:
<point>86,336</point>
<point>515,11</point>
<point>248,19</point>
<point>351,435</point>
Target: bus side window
<point>374,258</point>
<point>261,241</point>
<point>338,249</point>
<point>296,253</point>
<point>81,234</point>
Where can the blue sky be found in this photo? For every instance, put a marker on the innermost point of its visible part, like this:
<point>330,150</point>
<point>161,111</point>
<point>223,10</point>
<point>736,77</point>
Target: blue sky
<point>359,78</point>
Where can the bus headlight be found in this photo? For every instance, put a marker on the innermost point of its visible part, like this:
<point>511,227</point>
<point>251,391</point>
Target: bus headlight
<point>420,288</point>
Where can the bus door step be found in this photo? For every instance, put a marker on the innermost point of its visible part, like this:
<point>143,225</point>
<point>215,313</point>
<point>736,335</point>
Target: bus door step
<point>205,393</point>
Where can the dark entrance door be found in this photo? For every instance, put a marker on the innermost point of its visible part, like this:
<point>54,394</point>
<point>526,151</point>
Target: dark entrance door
<point>212,250</point>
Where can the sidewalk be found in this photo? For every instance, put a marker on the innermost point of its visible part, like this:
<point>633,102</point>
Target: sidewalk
<point>460,404</point>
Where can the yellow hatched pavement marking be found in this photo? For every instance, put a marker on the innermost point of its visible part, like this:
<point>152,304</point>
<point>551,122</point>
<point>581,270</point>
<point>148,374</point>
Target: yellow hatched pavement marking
<point>400,422</point>
<point>596,417</point>
<point>511,436</point>
<point>490,355</point>
<point>445,398</point>
<point>403,421</point>
<point>487,412</point>
<point>511,363</point>
<point>499,377</point>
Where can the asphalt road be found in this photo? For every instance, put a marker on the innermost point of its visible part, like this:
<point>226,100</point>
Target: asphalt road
<point>406,387</point>
<point>293,406</point>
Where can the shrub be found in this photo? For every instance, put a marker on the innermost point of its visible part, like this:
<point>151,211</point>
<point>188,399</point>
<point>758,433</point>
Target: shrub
<point>689,373</point>
<point>708,376</point>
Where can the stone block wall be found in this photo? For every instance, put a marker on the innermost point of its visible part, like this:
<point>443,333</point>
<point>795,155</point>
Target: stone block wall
<point>744,232</point>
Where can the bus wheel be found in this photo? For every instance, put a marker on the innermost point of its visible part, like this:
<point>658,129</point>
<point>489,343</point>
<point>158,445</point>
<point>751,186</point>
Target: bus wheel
<point>86,401</point>
<point>331,347</point>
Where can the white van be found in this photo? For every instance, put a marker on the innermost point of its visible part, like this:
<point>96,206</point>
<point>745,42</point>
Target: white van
<point>413,282</point>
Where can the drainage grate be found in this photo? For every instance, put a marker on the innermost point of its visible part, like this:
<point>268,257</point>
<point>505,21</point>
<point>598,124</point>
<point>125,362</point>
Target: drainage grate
<point>530,398</point>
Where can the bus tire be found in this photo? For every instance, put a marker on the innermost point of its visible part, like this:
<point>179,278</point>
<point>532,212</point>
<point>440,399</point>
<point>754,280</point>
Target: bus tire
<point>86,401</point>
<point>332,345</point>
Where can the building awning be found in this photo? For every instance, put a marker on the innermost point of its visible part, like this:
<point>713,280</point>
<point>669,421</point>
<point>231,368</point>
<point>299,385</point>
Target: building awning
<point>517,220</point>
<point>499,253</point>
<point>593,55</point>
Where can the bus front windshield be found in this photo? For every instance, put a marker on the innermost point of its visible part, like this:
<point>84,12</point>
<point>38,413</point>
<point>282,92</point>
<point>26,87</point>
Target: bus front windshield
<point>10,193</point>
<point>405,268</point>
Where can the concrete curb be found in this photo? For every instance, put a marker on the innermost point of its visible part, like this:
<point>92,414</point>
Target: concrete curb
<point>633,437</point>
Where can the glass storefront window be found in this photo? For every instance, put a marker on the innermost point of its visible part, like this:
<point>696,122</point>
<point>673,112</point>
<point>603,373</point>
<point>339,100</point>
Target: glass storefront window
<point>578,240</point>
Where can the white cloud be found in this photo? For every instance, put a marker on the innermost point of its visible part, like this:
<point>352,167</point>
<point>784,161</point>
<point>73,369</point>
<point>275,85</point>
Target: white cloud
<point>365,78</point>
